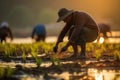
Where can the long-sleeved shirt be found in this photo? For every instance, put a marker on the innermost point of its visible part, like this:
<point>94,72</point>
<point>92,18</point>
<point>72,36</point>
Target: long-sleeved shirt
<point>39,30</point>
<point>78,20</point>
<point>5,32</point>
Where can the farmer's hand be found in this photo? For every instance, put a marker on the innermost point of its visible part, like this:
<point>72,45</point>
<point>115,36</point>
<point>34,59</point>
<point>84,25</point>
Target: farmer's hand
<point>55,48</point>
<point>64,49</point>
<point>11,38</point>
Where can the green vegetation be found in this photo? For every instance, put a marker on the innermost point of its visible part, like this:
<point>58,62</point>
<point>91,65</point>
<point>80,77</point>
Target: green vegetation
<point>6,72</point>
<point>35,49</point>
<point>117,55</point>
<point>38,62</point>
<point>55,61</point>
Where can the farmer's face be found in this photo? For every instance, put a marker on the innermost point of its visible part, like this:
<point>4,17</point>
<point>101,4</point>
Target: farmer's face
<point>67,19</point>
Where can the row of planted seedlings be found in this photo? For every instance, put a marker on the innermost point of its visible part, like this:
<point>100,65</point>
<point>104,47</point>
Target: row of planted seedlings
<point>105,49</point>
<point>8,51</point>
<point>24,52</point>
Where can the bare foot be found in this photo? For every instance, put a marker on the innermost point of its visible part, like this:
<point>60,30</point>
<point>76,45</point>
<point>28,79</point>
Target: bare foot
<point>82,56</point>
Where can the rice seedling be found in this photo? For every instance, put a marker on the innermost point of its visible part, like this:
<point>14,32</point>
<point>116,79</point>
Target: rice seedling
<point>9,71</point>
<point>117,55</point>
<point>7,53</point>
<point>6,72</point>
<point>47,47</point>
<point>55,61</point>
<point>24,56</point>
<point>52,60</point>
<point>2,72</point>
<point>90,47</point>
<point>38,62</point>
<point>34,52</point>
<point>97,54</point>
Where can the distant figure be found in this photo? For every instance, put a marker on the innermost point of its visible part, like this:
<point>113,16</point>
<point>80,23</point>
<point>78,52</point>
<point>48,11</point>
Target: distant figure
<point>5,32</point>
<point>104,29</point>
<point>39,33</point>
<point>83,29</point>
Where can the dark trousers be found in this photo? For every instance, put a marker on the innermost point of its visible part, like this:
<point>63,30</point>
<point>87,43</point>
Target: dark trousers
<point>85,35</point>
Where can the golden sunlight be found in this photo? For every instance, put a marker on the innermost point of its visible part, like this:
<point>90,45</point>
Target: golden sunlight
<point>98,75</point>
<point>98,8</point>
<point>101,40</point>
<point>102,74</point>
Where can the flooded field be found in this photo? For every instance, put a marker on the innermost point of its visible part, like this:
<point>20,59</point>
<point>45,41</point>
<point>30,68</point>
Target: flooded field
<point>54,39</point>
<point>38,62</point>
<point>114,39</point>
<point>69,70</point>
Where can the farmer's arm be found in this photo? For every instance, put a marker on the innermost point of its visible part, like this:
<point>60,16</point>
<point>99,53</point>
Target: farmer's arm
<point>10,33</point>
<point>79,22</point>
<point>72,39</point>
<point>32,35</point>
<point>61,36</point>
<point>63,33</point>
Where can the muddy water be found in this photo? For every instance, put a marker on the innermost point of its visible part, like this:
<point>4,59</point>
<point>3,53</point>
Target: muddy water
<point>104,74</point>
<point>93,75</point>
<point>82,73</point>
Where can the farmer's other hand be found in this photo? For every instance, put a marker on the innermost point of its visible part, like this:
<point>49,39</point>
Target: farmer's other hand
<point>64,49</point>
<point>11,39</point>
<point>55,48</point>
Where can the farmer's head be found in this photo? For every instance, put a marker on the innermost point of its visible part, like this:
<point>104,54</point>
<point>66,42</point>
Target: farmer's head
<point>63,14</point>
<point>4,24</point>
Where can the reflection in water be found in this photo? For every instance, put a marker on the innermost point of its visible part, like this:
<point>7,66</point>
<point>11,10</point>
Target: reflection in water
<point>101,40</point>
<point>93,74</point>
<point>79,74</point>
<point>54,39</point>
<point>104,74</point>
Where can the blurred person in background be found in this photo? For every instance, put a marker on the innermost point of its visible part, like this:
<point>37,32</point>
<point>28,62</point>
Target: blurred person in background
<point>105,31</point>
<point>39,33</point>
<point>5,32</point>
<point>82,28</point>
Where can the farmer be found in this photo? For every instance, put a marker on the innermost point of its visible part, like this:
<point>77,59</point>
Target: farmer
<point>5,32</point>
<point>104,29</point>
<point>39,33</point>
<point>82,28</point>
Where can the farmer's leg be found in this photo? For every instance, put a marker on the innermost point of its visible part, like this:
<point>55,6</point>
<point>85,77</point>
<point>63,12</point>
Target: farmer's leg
<point>70,32</point>
<point>2,39</point>
<point>105,35</point>
<point>43,37</point>
<point>86,35</point>
<point>98,38</point>
<point>75,48</point>
<point>38,38</point>
<point>83,49</point>
<point>82,45</point>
